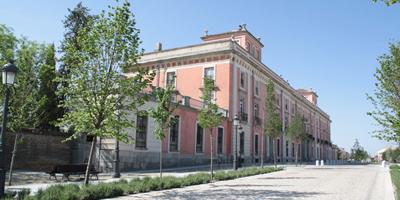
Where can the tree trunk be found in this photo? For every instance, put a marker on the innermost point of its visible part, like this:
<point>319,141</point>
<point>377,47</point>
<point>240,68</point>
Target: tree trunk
<point>211,154</point>
<point>14,152</point>
<point>92,149</point>
<point>262,152</point>
<point>274,151</point>
<point>161,152</point>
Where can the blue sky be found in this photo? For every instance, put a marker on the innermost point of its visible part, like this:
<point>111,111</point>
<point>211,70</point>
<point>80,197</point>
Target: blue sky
<point>330,46</point>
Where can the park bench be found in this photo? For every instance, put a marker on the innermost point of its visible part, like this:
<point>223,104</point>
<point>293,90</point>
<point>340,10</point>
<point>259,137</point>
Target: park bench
<point>72,169</point>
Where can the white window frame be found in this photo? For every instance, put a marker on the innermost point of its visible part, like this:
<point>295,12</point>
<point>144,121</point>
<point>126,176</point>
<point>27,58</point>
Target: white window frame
<point>214,94</point>
<point>254,146</point>
<point>223,140</point>
<point>166,77</point>
<point>179,136</point>
<point>244,79</point>
<point>195,140</point>
<point>256,85</point>
<point>147,136</point>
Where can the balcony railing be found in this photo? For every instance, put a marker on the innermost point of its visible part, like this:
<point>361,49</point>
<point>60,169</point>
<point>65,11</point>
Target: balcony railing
<point>189,102</point>
<point>243,117</point>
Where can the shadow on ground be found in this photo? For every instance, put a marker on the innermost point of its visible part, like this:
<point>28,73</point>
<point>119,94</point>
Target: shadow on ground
<point>290,177</point>
<point>229,193</point>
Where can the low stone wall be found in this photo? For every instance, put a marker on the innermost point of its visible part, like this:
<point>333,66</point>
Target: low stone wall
<point>130,161</point>
<point>37,151</point>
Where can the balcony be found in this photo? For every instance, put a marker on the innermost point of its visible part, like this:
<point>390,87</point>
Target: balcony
<point>189,102</point>
<point>243,117</point>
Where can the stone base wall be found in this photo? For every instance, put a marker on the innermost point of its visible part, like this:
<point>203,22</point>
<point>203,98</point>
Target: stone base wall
<point>130,161</point>
<point>37,151</point>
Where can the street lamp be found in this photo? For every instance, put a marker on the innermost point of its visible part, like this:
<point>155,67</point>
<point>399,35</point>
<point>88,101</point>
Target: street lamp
<point>117,173</point>
<point>236,124</point>
<point>8,75</point>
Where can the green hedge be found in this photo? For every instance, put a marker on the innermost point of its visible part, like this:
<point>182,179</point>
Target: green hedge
<point>137,185</point>
<point>395,174</point>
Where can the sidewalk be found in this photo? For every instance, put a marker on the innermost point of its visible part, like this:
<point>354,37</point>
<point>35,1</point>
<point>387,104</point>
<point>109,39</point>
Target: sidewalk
<point>39,180</point>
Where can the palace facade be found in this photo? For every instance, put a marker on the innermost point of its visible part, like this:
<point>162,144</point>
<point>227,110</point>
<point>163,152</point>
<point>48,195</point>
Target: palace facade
<point>233,60</point>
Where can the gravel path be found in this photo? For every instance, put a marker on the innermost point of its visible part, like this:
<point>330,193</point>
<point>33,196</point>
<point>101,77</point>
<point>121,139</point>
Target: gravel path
<point>329,182</point>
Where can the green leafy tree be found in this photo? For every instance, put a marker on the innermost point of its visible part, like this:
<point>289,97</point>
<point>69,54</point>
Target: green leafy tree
<point>95,90</point>
<point>77,19</point>
<point>296,132</point>
<point>392,155</point>
<point>163,116</point>
<point>8,44</point>
<point>388,2</point>
<point>75,22</point>
<point>209,116</point>
<point>357,152</point>
<point>272,123</point>
<point>49,110</point>
<point>386,98</point>
<point>25,99</point>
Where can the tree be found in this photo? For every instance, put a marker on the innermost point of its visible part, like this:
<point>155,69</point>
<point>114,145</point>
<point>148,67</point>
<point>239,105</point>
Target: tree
<point>388,2</point>
<point>49,111</point>
<point>8,44</point>
<point>357,152</point>
<point>272,124</point>
<point>25,100</point>
<point>162,114</point>
<point>386,98</point>
<point>297,132</point>
<point>209,117</point>
<point>392,155</point>
<point>95,90</point>
<point>75,22</point>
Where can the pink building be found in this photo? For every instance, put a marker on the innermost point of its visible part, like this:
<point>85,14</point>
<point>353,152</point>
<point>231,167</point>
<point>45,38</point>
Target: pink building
<point>233,60</point>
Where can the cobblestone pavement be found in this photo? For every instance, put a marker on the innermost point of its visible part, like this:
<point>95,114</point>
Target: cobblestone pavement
<point>328,182</point>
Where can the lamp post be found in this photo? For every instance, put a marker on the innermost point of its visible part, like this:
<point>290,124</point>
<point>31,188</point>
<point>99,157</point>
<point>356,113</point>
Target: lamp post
<point>8,75</point>
<point>236,124</point>
<point>117,173</point>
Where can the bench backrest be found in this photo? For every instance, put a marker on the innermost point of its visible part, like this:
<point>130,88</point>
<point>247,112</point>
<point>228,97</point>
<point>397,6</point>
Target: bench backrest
<point>74,168</point>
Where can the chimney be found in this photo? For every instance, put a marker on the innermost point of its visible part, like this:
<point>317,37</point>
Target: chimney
<point>158,46</point>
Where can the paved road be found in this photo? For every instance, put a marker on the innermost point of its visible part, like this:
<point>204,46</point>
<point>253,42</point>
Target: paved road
<point>329,182</point>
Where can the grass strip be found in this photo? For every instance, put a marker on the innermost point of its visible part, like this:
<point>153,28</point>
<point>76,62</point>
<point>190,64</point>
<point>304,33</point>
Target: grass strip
<point>136,185</point>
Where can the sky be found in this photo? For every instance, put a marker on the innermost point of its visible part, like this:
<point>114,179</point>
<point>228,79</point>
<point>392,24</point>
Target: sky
<point>329,46</point>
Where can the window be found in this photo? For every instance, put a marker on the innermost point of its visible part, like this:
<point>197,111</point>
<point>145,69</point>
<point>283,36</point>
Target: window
<point>256,110</point>
<point>141,132</point>
<point>171,79</point>
<point>174,136</point>
<point>278,102</point>
<point>199,139</point>
<point>256,88</point>
<point>247,46</point>
<point>278,148</point>
<point>298,149</point>
<point>253,51</point>
<point>286,105</point>
<point>220,140</point>
<point>242,79</point>
<point>241,104</point>
<point>287,148</point>
<point>241,151</point>
<point>293,149</point>
<point>256,145</point>
<point>286,120</point>
<point>209,72</point>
